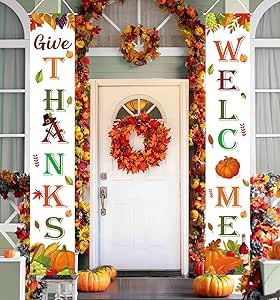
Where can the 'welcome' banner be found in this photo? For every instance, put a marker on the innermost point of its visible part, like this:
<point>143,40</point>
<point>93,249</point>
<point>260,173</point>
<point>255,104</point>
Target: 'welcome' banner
<point>228,138</point>
<point>52,144</point>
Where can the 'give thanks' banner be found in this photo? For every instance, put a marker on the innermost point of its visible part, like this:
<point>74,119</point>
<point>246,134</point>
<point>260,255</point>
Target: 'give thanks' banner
<point>52,144</point>
<point>228,138</point>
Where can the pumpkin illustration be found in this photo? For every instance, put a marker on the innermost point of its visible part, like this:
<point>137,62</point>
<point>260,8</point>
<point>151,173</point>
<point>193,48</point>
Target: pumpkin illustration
<point>212,285</point>
<point>228,167</point>
<point>225,264</point>
<point>93,281</point>
<point>212,253</point>
<point>112,272</point>
<point>199,268</point>
<point>61,259</point>
<point>274,253</point>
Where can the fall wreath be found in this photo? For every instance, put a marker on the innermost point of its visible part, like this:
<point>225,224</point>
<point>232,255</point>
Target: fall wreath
<point>156,140</point>
<point>151,44</point>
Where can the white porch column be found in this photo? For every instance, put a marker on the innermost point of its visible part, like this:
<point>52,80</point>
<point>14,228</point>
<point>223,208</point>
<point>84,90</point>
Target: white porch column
<point>235,7</point>
<point>51,6</point>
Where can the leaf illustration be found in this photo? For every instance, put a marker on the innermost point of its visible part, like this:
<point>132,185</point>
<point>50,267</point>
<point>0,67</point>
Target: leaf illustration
<point>69,100</point>
<point>211,70</point>
<point>228,19</point>
<point>231,245</point>
<point>50,20</point>
<point>243,96</point>
<point>245,182</point>
<point>38,18</point>
<point>210,227</point>
<point>37,225</point>
<point>69,180</point>
<point>39,76</point>
<point>210,140</point>
<point>44,260</point>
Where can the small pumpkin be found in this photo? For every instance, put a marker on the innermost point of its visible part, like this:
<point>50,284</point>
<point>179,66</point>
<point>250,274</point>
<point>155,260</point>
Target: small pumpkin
<point>212,253</point>
<point>112,272</point>
<point>274,253</point>
<point>199,268</point>
<point>61,259</point>
<point>9,253</point>
<point>228,167</point>
<point>212,285</point>
<point>93,281</point>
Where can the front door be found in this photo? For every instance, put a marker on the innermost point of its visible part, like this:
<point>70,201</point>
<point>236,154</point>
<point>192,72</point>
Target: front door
<point>142,226</point>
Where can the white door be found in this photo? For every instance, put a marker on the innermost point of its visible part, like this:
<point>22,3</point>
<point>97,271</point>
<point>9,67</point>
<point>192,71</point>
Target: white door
<point>142,226</point>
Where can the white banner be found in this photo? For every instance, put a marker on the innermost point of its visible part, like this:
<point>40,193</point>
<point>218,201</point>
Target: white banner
<point>52,144</point>
<point>228,138</point>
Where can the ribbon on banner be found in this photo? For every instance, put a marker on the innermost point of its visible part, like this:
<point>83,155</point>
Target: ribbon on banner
<point>52,144</point>
<point>228,139</point>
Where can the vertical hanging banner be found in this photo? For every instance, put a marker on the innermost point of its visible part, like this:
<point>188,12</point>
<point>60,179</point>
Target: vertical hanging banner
<point>52,144</point>
<point>228,140</point>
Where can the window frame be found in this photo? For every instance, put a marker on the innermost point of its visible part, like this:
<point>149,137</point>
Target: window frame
<point>20,44</point>
<point>257,43</point>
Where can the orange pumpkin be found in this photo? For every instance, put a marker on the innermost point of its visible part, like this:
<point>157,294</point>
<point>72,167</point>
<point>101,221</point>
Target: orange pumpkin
<point>112,272</point>
<point>225,264</point>
<point>212,253</point>
<point>228,167</point>
<point>61,259</point>
<point>274,253</point>
<point>9,253</point>
<point>212,285</point>
<point>93,281</point>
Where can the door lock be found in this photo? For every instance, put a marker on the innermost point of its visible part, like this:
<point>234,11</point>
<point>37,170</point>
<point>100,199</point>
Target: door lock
<point>103,196</point>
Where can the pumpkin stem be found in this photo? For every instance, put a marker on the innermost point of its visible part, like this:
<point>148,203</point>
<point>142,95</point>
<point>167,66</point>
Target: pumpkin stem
<point>211,271</point>
<point>64,248</point>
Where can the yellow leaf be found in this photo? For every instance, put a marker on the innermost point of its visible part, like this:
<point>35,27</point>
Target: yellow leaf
<point>38,18</point>
<point>50,20</point>
<point>228,19</point>
<point>71,21</point>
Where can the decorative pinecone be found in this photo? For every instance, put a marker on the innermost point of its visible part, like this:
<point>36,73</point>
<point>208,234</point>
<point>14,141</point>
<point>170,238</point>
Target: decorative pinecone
<point>211,21</point>
<point>256,248</point>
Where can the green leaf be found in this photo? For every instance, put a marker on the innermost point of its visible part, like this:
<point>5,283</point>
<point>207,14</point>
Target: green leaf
<point>69,100</point>
<point>44,260</point>
<point>245,182</point>
<point>239,270</point>
<point>231,245</point>
<point>211,70</point>
<point>69,180</point>
<point>39,76</point>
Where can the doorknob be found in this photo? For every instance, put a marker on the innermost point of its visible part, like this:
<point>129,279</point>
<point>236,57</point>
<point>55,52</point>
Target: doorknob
<point>103,196</point>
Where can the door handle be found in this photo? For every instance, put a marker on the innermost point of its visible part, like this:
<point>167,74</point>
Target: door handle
<point>103,196</point>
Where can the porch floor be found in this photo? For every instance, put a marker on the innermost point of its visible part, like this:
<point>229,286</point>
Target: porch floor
<point>148,288</point>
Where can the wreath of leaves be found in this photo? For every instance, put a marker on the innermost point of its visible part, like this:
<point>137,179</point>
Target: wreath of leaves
<point>150,38</point>
<point>156,142</point>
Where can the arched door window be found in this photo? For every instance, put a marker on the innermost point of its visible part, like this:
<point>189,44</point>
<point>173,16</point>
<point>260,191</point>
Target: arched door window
<point>266,88</point>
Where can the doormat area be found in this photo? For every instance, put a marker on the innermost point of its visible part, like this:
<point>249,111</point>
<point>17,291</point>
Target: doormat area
<point>172,274</point>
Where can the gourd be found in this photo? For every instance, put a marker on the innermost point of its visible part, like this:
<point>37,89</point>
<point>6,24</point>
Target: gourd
<point>212,253</point>
<point>212,285</point>
<point>61,259</point>
<point>228,167</point>
<point>93,281</point>
<point>199,268</point>
<point>112,272</point>
<point>275,250</point>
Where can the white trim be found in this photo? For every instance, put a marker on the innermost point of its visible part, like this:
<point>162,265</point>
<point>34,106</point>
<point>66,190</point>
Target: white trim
<point>15,44</point>
<point>267,135</point>
<point>114,51</point>
<point>267,90</point>
<point>266,43</point>
<point>12,227</point>
<point>94,168</point>
<point>21,14</point>
<point>165,21</point>
<point>111,22</point>
<point>12,91</point>
<point>12,135</point>
<point>258,14</point>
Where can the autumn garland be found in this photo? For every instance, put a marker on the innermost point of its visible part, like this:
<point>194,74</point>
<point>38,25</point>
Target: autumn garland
<point>194,32</point>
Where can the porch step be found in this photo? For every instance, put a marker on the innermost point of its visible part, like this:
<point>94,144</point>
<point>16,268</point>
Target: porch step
<point>153,288</point>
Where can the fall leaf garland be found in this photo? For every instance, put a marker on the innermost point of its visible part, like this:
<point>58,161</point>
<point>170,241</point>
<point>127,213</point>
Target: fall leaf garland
<point>151,44</point>
<point>156,140</point>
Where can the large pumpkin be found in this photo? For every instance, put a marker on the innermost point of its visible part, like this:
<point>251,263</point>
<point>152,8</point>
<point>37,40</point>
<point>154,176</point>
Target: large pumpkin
<point>61,259</point>
<point>112,272</point>
<point>212,285</point>
<point>93,281</point>
<point>212,253</point>
<point>274,253</point>
<point>228,167</point>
